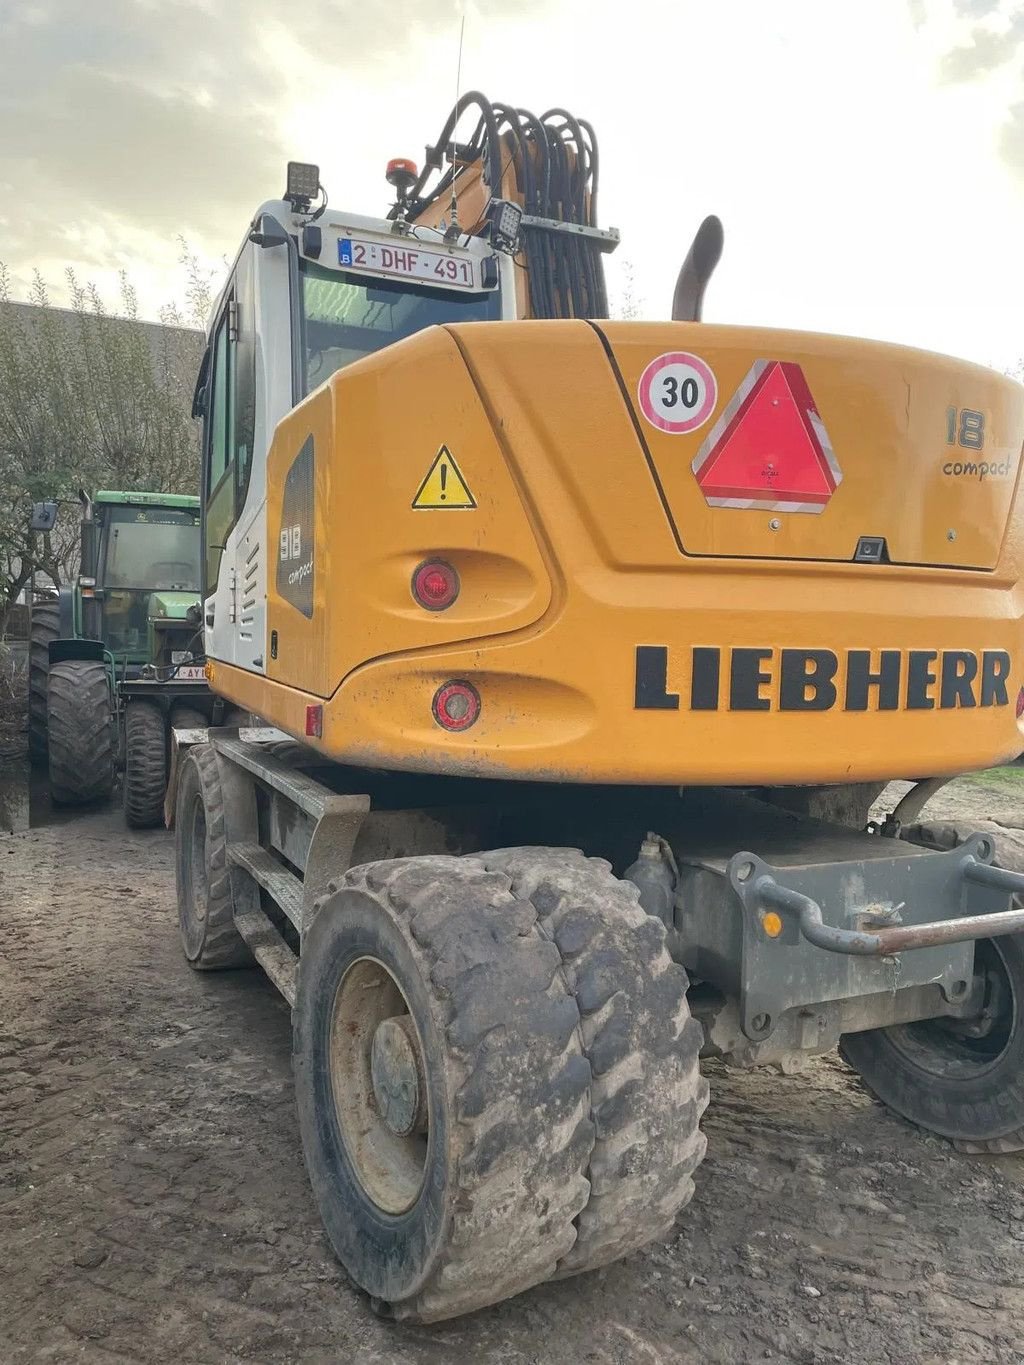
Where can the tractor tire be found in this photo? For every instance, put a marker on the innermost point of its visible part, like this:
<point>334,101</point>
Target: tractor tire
<point>44,628</point>
<point>80,728</point>
<point>145,765</point>
<point>205,918</point>
<point>188,718</point>
<point>495,1072</point>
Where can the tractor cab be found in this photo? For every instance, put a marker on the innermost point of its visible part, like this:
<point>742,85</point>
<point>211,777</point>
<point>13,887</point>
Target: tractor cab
<point>140,574</point>
<point>116,661</point>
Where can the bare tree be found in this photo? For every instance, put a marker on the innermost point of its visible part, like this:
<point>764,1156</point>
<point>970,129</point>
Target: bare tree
<point>89,398</point>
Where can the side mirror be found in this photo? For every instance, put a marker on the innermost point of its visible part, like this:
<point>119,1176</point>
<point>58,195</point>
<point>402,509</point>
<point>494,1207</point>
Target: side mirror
<point>267,231</point>
<point>44,516</point>
<point>199,394</point>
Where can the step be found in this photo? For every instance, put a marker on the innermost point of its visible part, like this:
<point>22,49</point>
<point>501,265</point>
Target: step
<point>283,886</point>
<point>270,951</point>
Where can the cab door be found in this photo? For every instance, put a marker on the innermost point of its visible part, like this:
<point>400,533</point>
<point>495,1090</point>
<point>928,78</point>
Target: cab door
<point>219,492</point>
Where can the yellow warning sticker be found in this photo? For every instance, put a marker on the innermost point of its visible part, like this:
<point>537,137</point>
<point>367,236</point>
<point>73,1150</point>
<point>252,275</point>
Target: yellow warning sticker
<point>444,485</point>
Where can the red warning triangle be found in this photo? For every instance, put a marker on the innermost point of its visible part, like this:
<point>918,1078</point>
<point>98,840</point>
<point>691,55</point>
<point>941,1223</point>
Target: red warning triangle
<point>769,446</point>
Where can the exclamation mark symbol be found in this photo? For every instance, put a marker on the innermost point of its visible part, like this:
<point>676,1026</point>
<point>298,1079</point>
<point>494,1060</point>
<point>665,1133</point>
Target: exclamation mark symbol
<point>444,479</point>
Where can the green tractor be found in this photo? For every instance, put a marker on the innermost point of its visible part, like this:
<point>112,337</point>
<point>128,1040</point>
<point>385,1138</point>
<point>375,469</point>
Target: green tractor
<point>116,660</point>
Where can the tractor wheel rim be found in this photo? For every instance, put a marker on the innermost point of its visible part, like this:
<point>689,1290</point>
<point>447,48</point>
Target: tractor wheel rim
<point>378,1080</point>
<point>944,1047</point>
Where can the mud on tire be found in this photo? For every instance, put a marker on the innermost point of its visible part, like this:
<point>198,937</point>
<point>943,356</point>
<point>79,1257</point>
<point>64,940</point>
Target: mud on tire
<point>145,765</point>
<point>647,1093</point>
<point>80,732</point>
<point>562,1126</point>
<point>205,919</point>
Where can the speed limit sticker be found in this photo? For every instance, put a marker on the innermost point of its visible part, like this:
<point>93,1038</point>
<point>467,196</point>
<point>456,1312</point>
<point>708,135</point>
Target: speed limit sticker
<point>677,392</point>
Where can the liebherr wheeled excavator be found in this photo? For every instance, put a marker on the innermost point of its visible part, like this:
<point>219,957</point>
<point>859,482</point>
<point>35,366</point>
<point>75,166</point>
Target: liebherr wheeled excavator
<point>565,637</point>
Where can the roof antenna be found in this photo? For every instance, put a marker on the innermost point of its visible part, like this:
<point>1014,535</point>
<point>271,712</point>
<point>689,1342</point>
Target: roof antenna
<point>452,231</point>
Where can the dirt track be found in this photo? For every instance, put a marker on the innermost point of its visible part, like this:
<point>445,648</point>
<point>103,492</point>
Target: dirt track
<point>154,1207</point>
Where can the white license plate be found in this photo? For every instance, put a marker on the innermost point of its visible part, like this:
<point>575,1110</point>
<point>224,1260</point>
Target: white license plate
<point>190,672</point>
<point>408,262</point>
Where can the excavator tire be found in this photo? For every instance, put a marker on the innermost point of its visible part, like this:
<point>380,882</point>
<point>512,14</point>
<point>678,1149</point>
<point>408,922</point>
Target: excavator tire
<point>45,627</point>
<point>205,917</point>
<point>961,1079</point>
<point>80,732</point>
<point>496,1075</point>
<point>647,1093</point>
<point>145,765</point>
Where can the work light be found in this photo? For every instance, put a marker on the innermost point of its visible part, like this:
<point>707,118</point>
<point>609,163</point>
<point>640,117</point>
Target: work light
<point>303,185</point>
<point>505,218</point>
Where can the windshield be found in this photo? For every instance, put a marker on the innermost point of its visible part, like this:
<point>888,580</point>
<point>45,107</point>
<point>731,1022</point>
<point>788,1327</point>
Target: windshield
<point>349,316</point>
<point>152,548</point>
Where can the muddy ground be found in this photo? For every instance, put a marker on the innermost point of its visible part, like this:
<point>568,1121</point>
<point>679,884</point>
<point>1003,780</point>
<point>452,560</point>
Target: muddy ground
<point>154,1206</point>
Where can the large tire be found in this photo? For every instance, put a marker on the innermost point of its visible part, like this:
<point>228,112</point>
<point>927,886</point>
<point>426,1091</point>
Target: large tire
<point>145,765</point>
<point>81,732</point>
<point>647,1093</point>
<point>964,1081</point>
<point>526,980</point>
<point>961,1079</point>
<point>188,718</point>
<point>208,934</point>
<point>45,626</point>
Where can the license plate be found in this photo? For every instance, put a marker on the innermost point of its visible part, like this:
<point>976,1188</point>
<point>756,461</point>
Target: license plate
<point>191,673</point>
<point>408,262</point>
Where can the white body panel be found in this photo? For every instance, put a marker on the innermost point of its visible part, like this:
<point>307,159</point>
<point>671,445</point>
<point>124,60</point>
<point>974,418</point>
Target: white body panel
<point>236,611</point>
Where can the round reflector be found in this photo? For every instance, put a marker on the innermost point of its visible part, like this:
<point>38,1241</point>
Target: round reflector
<point>456,705</point>
<point>435,585</point>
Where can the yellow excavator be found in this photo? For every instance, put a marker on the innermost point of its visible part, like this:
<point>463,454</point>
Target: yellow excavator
<point>576,652</point>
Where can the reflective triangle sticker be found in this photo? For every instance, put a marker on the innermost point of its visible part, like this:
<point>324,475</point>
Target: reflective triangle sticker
<point>443,486</point>
<point>769,448</point>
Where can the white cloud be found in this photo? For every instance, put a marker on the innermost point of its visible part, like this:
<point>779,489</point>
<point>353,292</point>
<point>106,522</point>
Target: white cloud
<point>861,192</point>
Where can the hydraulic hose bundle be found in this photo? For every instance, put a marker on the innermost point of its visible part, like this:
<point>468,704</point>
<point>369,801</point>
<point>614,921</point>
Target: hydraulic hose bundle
<point>555,164</point>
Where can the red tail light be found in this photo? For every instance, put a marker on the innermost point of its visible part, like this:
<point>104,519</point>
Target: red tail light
<point>1020,703</point>
<point>456,705</point>
<point>435,585</point>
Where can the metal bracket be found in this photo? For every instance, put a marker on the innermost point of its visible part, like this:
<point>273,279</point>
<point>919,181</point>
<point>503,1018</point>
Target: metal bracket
<point>756,885</point>
<point>607,239</point>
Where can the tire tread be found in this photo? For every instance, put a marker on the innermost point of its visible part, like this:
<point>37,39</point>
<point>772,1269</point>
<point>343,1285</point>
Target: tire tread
<point>80,732</point>
<point>145,765</point>
<point>45,627</point>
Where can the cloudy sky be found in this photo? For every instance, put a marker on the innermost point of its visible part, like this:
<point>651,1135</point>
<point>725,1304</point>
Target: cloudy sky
<point>866,156</point>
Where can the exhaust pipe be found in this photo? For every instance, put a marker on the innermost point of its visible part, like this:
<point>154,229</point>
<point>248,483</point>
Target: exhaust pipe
<point>704,254</point>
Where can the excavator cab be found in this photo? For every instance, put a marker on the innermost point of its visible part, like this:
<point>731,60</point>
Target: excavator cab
<point>322,290</point>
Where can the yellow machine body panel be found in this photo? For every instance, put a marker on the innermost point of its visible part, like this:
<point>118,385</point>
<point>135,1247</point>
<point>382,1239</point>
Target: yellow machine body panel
<point>617,623</point>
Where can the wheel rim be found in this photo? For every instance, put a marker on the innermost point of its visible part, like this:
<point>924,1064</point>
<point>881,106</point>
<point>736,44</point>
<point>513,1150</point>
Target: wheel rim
<point>963,1049</point>
<point>378,1082</point>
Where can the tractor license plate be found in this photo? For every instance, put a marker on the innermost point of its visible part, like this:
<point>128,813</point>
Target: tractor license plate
<point>408,262</point>
<point>190,673</point>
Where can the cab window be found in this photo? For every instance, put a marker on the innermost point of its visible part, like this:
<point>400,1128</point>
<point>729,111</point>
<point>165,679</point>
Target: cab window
<point>230,418</point>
